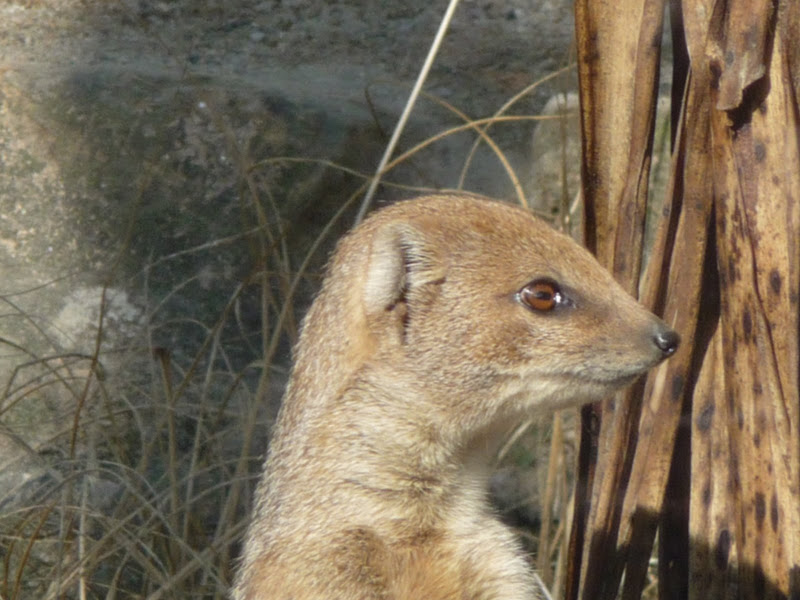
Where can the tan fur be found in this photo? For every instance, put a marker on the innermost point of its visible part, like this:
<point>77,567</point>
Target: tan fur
<point>414,361</point>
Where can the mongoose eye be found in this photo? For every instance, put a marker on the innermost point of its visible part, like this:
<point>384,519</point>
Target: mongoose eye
<point>541,295</point>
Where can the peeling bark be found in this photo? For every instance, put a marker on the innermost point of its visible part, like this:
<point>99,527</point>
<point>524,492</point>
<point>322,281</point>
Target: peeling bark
<point>725,273</point>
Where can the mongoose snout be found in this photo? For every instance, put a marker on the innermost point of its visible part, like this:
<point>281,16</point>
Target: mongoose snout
<point>441,323</point>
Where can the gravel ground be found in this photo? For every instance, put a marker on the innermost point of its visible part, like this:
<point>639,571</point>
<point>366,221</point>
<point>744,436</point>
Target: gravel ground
<point>492,46</point>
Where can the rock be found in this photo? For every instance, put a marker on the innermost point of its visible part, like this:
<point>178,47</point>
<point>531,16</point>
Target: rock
<point>556,157</point>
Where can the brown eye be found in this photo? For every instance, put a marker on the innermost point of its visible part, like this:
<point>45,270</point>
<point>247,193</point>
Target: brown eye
<point>542,295</point>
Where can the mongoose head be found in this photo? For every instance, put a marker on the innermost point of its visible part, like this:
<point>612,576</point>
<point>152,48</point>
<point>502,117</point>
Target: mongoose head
<point>481,306</point>
<point>441,321</point>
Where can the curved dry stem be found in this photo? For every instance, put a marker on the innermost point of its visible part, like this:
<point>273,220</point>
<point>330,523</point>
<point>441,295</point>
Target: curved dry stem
<point>457,129</point>
<point>481,131</point>
<point>511,102</point>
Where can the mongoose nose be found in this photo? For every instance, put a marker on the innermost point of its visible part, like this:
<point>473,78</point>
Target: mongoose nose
<point>667,341</point>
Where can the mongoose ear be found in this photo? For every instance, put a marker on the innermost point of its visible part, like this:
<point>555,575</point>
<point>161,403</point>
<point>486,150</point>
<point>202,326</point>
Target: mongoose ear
<point>400,261</point>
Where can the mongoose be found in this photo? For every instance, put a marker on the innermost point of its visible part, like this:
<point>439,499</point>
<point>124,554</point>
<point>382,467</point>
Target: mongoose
<point>442,321</point>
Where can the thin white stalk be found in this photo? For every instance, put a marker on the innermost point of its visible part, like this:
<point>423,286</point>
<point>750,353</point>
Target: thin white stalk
<point>412,99</point>
<point>542,587</point>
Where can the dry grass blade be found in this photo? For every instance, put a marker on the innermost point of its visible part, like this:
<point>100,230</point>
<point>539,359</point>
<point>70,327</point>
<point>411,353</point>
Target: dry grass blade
<point>555,457</point>
<point>527,90</point>
<point>423,74</point>
<point>481,131</point>
<point>473,124</point>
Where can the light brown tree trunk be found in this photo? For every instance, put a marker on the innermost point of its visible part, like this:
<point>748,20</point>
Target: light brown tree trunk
<point>709,447</point>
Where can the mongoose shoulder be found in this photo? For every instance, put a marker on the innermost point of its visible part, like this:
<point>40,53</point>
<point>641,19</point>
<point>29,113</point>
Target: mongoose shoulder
<point>442,321</point>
